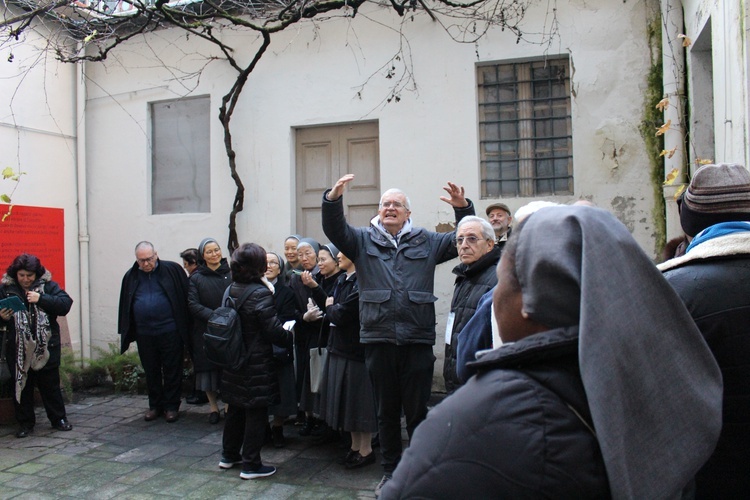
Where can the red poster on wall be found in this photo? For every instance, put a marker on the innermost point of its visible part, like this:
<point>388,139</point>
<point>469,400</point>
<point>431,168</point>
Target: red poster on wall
<point>36,230</point>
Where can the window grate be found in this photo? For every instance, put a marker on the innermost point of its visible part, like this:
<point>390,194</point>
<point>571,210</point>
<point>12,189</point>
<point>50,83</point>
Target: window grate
<point>525,131</point>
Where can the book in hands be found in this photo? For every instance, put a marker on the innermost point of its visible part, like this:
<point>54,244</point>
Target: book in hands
<point>12,302</point>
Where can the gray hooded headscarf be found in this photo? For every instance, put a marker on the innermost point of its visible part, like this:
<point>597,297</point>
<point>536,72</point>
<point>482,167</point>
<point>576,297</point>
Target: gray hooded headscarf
<point>652,384</point>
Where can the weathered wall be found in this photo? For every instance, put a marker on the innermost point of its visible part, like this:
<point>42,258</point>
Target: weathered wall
<point>730,65</point>
<point>37,136</point>
<point>312,75</point>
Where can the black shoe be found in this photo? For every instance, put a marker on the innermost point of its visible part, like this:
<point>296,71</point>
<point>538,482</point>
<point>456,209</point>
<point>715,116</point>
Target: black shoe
<point>277,435</point>
<point>350,455</point>
<point>152,414</point>
<point>213,418</point>
<point>307,429</point>
<point>197,398</point>
<point>360,461</point>
<point>320,429</point>
<point>229,462</point>
<point>62,425</point>
<point>24,432</point>
<point>300,420</point>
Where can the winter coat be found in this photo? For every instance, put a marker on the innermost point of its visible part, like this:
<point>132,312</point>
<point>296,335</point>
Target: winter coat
<point>286,310</point>
<point>510,431</point>
<point>343,316</point>
<point>173,281</point>
<point>475,336</point>
<point>54,301</point>
<point>713,280</point>
<point>205,292</point>
<point>396,285</point>
<point>255,385</point>
<point>308,332</point>
<point>472,281</point>
<point>285,302</point>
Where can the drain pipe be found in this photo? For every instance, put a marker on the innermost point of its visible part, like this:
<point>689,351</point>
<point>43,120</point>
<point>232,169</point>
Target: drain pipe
<point>83,227</point>
<point>673,66</point>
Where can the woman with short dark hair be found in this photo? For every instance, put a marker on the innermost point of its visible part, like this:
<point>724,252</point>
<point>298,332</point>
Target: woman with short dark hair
<point>250,390</point>
<point>34,354</point>
<point>189,258</point>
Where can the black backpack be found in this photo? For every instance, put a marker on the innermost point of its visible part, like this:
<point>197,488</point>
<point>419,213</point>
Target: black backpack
<point>222,340</point>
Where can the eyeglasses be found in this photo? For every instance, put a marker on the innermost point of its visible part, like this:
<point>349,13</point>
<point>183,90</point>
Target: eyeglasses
<point>394,204</point>
<point>273,263</point>
<point>471,240</point>
<point>147,259</point>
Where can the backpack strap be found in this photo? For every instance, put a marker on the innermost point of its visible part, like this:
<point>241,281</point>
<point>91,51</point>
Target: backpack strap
<point>237,303</point>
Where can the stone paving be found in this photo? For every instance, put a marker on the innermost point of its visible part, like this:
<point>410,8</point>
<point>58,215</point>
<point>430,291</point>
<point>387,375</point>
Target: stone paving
<point>112,452</point>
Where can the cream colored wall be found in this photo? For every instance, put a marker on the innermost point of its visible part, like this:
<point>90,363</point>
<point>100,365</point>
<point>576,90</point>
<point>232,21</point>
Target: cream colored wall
<point>730,69</point>
<point>37,136</point>
<point>312,75</point>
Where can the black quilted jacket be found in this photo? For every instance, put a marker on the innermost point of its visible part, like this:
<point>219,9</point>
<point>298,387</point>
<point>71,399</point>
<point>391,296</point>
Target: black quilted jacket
<point>255,385</point>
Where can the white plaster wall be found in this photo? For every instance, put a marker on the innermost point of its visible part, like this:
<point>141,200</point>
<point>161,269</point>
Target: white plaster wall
<point>37,136</point>
<point>312,75</point>
<point>730,73</point>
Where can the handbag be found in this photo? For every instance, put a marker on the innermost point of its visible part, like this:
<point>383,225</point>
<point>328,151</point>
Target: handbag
<point>4,370</point>
<point>318,357</point>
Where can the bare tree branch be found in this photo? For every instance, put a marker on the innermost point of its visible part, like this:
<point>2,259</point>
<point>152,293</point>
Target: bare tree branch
<point>89,30</point>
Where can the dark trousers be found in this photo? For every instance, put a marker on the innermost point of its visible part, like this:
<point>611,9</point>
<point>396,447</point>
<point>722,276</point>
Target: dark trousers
<point>161,357</point>
<point>306,339</point>
<point>244,433</point>
<point>48,382</point>
<point>401,378</point>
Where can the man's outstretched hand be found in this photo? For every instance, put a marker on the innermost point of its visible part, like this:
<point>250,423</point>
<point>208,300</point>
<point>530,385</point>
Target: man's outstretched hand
<point>457,198</point>
<point>338,189</point>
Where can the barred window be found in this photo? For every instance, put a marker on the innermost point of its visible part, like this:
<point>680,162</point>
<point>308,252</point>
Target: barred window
<point>525,136</point>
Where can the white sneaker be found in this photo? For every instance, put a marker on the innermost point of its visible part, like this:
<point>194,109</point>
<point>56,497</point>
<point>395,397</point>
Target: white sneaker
<point>379,487</point>
<point>264,471</point>
<point>225,463</point>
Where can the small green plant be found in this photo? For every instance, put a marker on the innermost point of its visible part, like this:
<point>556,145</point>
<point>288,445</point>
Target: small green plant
<point>125,370</point>
<point>70,371</point>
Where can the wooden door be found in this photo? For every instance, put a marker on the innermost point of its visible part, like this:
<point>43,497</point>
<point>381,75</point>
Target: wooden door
<point>326,153</point>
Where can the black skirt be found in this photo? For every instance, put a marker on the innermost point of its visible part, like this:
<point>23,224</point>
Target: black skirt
<point>347,397</point>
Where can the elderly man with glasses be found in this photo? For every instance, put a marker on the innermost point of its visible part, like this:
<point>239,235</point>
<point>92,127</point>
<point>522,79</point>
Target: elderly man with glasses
<point>396,266</point>
<point>475,276</point>
<point>154,314</point>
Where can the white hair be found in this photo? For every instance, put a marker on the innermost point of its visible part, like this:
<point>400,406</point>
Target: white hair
<point>397,191</point>
<point>532,207</point>
<point>487,232</point>
<point>145,244</point>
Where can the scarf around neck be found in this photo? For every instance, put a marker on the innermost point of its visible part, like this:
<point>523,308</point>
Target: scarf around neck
<point>32,331</point>
<point>717,230</point>
<point>406,229</point>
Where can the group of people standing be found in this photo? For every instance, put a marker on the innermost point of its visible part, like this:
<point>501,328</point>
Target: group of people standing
<point>338,398</point>
<point>576,368</point>
<point>310,301</point>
